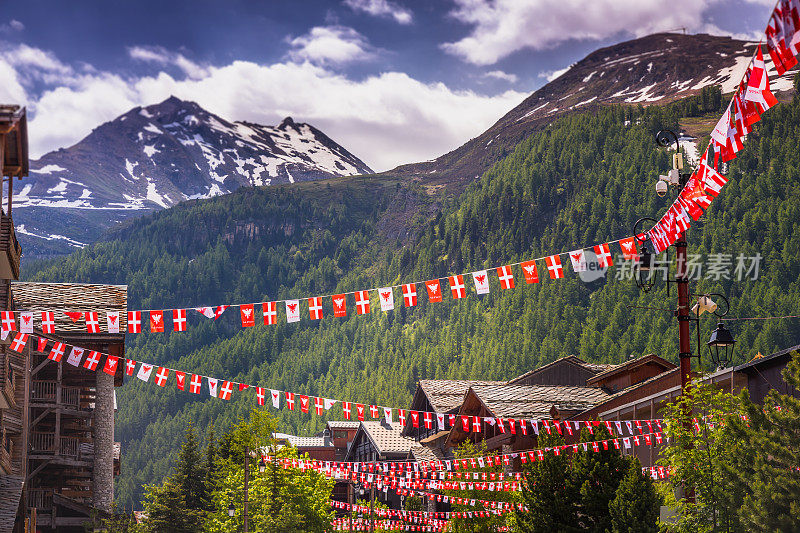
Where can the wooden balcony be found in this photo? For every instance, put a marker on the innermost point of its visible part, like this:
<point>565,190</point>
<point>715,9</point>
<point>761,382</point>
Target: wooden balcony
<point>44,392</point>
<point>10,249</point>
<point>45,443</point>
<point>40,499</point>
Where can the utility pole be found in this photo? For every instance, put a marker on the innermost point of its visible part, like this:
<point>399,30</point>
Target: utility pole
<point>682,313</point>
<point>246,485</point>
<point>371,516</point>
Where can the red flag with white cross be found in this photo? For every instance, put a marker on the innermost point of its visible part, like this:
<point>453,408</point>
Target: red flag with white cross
<point>130,366</point>
<point>554,267</point>
<point>195,384</point>
<point>9,323</point>
<point>19,342</point>
<point>57,352</point>
<point>226,390</point>
<point>290,401</point>
<point>603,253</point>
<point>134,321</point>
<point>92,360</point>
<point>179,319</point>
<point>270,312</point>
<point>260,395</point>
<point>48,322</point>
<point>410,294</point>
<point>161,376</point>
<point>315,307</point>
<point>346,410</point>
<point>362,302</point>
<point>248,315</point>
<point>506,277</point>
<point>457,287</point>
<point>92,322</point>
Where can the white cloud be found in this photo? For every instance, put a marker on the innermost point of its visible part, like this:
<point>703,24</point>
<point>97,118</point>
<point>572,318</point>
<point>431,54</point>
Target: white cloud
<point>550,75</point>
<point>382,8</point>
<point>161,56</point>
<point>330,45</point>
<point>387,120</point>
<point>502,27</point>
<point>500,75</point>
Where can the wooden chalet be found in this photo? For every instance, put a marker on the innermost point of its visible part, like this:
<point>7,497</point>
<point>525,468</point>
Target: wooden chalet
<point>568,370</point>
<point>342,433</point>
<point>379,441</point>
<point>530,402</point>
<point>763,374</point>
<point>13,381</point>
<point>68,455</point>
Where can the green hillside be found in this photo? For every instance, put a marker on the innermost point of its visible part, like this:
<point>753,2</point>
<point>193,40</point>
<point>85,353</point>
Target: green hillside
<point>584,179</point>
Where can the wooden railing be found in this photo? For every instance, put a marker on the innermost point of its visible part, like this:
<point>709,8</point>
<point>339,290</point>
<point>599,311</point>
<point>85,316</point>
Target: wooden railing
<point>10,250</point>
<point>44,391</point>
<point>42,442</point>
<point>70,446</point>
<point>40,499</point>
<point>5,458</point>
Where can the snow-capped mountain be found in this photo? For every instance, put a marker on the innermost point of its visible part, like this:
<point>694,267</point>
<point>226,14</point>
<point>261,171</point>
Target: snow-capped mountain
<point>655,69</point>
<point>154,157</point>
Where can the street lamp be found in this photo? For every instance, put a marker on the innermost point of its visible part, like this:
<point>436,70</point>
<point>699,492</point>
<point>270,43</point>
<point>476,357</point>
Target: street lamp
<point>231,510</point>
<point>720,345</point>
<point>262,466</point>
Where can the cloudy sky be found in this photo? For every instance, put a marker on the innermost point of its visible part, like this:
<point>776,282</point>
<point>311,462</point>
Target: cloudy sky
<point>394,81</point>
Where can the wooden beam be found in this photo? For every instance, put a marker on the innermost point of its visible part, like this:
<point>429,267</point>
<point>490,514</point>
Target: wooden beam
<point>38,469</point>
<point>41,366</point>
<point>41,416</point>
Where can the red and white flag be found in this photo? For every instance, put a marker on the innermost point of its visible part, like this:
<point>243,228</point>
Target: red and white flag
<point>346,410</point>
<point>374,411</point>
<point>362,302</point>
<point>75,356</point>
<point>276,398</point>
<point>270,312</point>
<point>19,342</point>
<point>386,295</point>
<point>226,390</point>
<point>434,290</point>
<point>9,323</point>
<point>758,89</point>
<point>603,253</point>
<point>578,259</point>
<point>92,322</point>
<point>157,321</point>
<point>410,294</point>
<point>180,379</point>
<point>530,272</point>
<point>292,311</point>
<point>110,367</point>
<point>112,321</point>
<point>360,411</point>
<point>457,287</point>
<point>506,277</point>
<point>130,366</point>
<point>134,321</point>
<point>290,401</point>
<point>414,418</point>
<point>26,322</point>
<point>248,315</point>
<point>339,305</point>
<point>781,31</point>
<point>179,319</point>
<point>260,395</point>
<point>401,415</point>
<point>144,372</point>
<point>195,384</point>
<point>481,280</point>
<point>92,360</point>
<point>57,351</point>
<point>628,247</point>
<point>315,307</point>
<point>48,323</point>
<point>161,376</point>
<point>41,344</point>
<point>319,405</point>
<point>387,415</point>
<point>554,267</point>
<point>213,385</point>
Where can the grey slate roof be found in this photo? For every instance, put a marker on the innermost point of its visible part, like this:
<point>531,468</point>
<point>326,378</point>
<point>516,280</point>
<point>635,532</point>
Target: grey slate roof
<point>61,297</point>
<point>343,424</point>
<point>446,395</point>
<point>423,453</point>
<point>10,494</point>
<point>536,400</point>
<point>304,442</point>
<point>592,367</point>
<point>387,438</point>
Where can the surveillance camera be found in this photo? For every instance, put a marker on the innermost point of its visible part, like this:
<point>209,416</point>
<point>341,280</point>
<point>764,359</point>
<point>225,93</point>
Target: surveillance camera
<point>661,188</point>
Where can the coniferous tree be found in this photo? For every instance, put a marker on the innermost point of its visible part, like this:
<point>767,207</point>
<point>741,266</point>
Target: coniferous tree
<point>596,476</point>
<point>548,493</point>
<point>635,507</point>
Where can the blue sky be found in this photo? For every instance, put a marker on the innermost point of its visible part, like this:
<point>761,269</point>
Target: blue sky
<point>394,81</point>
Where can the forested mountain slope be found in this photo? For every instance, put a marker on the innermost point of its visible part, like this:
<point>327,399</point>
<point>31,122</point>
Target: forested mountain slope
<point>584,179</point>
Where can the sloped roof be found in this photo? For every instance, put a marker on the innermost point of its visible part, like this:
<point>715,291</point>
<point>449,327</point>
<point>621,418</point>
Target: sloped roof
<point>756,361</point>
<point>633,363</point>
<point>10,494</point>
<point>343,424</point>
<point>446,394</point>
<point>423,453</point>
<point>387,438</point>
<point>61,297</point>
<point>536,400</point>
<point>304,442</point>
<point>567,359</point>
